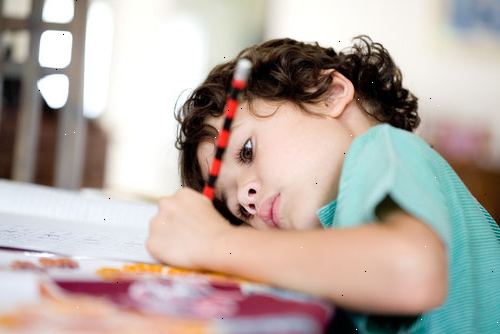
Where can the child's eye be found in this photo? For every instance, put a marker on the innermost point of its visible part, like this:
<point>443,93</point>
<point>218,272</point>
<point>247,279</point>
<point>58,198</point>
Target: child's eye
<point>242,213</point>
<point>245,155</point>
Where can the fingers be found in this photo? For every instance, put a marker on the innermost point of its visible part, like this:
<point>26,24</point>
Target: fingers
<point>152,244</point>
<point>166,204</point>
<point>155,224</point>
<point>182,199</point>
<point>175,229</point>
<point>151,247</point>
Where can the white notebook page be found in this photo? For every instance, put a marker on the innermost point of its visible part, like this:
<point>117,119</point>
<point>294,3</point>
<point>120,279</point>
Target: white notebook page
<point>48,219</point>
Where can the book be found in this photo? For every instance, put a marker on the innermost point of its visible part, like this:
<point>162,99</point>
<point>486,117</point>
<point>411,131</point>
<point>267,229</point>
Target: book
<point>69,223</point>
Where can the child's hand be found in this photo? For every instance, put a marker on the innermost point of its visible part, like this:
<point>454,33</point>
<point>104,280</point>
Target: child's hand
<point>184,229</point>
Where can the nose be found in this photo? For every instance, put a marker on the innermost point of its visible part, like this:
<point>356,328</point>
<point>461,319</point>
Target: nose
<point>247,197</point>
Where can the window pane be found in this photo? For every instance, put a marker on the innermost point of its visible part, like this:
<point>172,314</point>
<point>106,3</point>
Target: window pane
<point>54,90</point>
<point>55,48</point>
<point>17,9</point>
<point>15,45</point>
<point>58,11</point>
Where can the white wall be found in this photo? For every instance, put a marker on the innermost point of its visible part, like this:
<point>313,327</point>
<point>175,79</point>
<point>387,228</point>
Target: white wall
<point>451,76</point>
<point>139,115</point>
<point>161,49</point>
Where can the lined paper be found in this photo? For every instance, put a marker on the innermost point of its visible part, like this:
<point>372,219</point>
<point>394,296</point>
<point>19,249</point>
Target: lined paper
<point>52,220</point>
<point>41,201</point>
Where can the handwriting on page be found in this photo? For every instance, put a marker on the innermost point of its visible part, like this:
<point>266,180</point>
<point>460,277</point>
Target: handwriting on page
<point>74,238</point>
<point>47,219</point>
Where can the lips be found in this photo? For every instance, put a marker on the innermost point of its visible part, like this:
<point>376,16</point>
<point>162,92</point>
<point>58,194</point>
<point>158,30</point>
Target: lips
<point>269,211</point>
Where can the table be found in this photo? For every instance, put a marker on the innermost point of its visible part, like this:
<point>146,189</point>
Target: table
<point>76,262</point>
<point>58,294</point>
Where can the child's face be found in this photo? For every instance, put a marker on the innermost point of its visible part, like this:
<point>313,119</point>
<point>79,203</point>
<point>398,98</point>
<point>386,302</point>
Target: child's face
<point>291,154</point>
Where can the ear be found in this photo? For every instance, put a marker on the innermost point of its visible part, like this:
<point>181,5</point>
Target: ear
<point>341,93</point>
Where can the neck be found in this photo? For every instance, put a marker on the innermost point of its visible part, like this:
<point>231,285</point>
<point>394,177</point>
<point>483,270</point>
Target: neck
<point>356,120</point>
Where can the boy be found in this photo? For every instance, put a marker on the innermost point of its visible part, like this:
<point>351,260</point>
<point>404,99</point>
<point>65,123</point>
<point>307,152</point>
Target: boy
<point>345,202</point>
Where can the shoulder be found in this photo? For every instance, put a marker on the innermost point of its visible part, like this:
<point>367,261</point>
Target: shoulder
<point>388,136</point>
<point>385,147</point>
<point>387,161</point>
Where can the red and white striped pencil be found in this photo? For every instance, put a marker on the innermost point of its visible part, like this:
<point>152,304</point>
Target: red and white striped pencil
<point>238,84</point>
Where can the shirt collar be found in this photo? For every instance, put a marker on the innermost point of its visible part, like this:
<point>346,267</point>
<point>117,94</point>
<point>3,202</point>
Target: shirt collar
<point>326,213</point>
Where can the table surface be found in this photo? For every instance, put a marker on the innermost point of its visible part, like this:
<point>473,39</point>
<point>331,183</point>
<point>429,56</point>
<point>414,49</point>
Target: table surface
<point>106,296</point>
<point>83,291</point>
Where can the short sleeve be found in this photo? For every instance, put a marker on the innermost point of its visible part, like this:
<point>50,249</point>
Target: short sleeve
<point>387,161</point>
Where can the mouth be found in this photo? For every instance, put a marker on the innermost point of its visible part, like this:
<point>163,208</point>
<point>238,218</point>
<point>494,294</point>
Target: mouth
<point>269,211</point>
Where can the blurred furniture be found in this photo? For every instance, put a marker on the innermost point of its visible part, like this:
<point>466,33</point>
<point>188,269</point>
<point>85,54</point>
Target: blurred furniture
<point>95,147</point>
<point>483,183</point>
<point>469,149</point>
<point>69,150</point>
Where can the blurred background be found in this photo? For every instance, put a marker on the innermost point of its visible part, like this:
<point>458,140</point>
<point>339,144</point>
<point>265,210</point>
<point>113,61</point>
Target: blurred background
<point>89,87</point>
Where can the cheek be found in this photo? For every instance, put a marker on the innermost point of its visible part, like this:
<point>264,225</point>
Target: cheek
<point>306,160</point>
<point>302,216</point>
<point>227,172</point>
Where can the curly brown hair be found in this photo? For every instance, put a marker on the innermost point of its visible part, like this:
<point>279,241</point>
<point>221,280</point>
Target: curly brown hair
<point>289,70</point>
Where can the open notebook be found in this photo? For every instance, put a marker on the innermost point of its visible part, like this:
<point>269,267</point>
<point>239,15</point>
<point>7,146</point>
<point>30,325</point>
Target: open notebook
<point>73,224</point>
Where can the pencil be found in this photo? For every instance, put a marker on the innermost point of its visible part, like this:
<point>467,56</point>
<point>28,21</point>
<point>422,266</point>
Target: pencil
<point>238,84</point>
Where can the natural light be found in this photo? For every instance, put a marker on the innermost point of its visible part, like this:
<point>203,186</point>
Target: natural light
<point>98,48</point>
<point>54,90</point>
<point>58,11</point>
<point>55,48</point>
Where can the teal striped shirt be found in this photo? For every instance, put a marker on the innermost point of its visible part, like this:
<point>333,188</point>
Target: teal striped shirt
<point>386,161</point>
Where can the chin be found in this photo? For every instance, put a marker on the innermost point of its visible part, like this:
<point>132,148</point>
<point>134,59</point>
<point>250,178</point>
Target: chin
<point>309,223</point>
